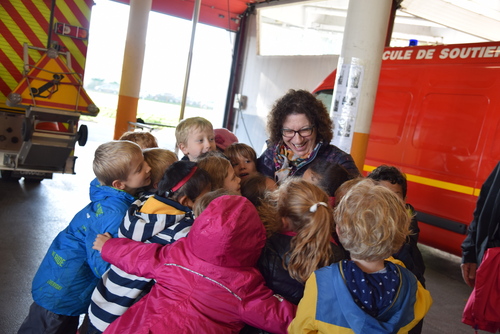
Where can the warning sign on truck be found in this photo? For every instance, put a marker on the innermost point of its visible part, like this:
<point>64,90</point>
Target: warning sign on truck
<point>52,84</point>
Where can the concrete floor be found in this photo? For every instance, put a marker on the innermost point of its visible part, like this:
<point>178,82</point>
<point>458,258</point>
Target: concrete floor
<point>32,214</point>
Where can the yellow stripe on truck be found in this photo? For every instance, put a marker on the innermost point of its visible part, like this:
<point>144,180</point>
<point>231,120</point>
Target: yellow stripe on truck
<point>69,42</point>
<point>435,183</point>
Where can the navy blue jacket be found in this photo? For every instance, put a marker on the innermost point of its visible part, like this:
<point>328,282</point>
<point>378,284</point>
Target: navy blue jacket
<point>484,230</point>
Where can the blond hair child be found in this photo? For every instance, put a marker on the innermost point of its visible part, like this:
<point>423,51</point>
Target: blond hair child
<point>243,158</point>
<point>221,172</point>
<point>63,284</point>
<point>344,188</point>
<point>195,136</point>
<point>366,294</point>
<point>409,253</point>
<point>162,218</point>
<point>143,139</point>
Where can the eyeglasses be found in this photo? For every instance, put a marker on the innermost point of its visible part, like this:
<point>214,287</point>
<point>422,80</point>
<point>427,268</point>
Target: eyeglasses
<point>305,132</point>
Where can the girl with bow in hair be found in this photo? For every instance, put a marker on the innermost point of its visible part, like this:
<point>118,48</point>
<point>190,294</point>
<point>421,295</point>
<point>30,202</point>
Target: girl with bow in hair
<point>303,242</point>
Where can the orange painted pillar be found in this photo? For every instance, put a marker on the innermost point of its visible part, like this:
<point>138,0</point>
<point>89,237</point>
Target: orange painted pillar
<point>357,76</point>
<point>133,60</point>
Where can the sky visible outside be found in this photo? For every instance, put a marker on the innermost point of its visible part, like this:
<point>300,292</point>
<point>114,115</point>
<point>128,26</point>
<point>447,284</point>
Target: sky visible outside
<point>167,48</point>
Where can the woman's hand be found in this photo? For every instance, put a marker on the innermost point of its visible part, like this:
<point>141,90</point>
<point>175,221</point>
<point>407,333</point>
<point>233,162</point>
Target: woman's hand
<point>469,273</point>
<point>101,240</point>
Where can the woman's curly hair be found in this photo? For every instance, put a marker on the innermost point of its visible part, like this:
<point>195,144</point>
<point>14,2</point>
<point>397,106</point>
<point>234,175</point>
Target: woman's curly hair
<point>300,102</point>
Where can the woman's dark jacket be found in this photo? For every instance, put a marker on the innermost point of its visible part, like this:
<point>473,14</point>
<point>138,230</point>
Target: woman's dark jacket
<point>329,153</point>
<point>484,230</point>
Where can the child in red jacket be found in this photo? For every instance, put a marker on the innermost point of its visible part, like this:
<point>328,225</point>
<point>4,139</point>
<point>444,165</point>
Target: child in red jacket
<point>206,282</point>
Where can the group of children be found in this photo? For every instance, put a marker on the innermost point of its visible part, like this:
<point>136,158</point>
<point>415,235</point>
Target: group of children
<point>208,244</point>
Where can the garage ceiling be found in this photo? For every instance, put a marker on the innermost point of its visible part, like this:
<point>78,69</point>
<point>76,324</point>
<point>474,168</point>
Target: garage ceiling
<point>429,21</point>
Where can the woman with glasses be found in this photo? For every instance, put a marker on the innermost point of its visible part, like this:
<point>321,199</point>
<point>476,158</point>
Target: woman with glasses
<point>300,131</point>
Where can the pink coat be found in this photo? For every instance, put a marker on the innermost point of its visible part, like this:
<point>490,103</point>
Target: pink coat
<point>206,282</point>
<point>481,311</point>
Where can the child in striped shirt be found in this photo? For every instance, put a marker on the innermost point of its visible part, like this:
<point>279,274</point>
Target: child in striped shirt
<point>161,218</point>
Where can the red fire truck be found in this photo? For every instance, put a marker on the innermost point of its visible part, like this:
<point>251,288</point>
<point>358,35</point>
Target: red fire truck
<point>42,60</point>
<point>437,118</point>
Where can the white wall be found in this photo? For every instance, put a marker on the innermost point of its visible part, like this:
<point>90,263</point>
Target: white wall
<point>266,78</point>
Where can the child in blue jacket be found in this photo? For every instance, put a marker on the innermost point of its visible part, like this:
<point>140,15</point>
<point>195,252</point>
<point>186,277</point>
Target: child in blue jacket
<point>70,270</point>
<point>162,218</point>
<point>372,292</point>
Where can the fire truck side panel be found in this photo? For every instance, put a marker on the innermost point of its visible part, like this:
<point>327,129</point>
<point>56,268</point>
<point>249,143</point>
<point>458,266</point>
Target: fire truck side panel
<point>437,118</point>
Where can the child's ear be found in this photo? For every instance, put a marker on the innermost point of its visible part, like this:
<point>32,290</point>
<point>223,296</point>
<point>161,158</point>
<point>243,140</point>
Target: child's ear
<point>186,201</point>
<point>183,148</point>
<point>118,184</point>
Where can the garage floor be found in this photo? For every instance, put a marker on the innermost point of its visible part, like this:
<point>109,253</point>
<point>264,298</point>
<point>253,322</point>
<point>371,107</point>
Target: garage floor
<point>32,214</point>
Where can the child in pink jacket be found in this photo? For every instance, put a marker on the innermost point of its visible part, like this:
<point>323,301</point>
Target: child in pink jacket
<point>206,282</point>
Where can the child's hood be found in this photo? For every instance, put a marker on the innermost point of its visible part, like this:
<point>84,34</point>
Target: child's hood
<point>228,233</point>
<point>99,192</point>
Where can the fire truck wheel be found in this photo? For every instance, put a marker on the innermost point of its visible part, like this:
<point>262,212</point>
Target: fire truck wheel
<point>83,135</point>
<point>27,129</point>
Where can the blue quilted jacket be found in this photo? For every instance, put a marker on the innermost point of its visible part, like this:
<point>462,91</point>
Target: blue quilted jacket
<point>71,269</point>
